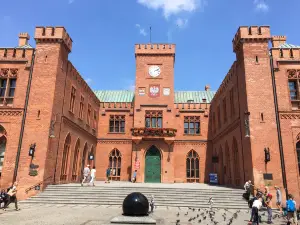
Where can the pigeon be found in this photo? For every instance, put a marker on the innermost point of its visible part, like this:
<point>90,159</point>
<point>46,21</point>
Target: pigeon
<point>190,219</point>
<point>177,214</point>
<point>177,222</point>
<point>186,213</point>
<point>235,215</point>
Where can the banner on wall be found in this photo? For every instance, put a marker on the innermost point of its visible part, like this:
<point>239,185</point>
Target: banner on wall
<point>213,178</point>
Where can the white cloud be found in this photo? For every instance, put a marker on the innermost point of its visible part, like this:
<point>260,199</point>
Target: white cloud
<point>181,23</point>
<point>261,6</point>
<point>173,7</point>
<point>88,80</point>
<point>141,30</point>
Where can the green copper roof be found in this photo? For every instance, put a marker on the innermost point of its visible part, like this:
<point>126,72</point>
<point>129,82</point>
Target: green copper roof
<point>193,96</point>
<point>285,45</point>
<point>180,96</point>
<point>115,96</point>
<point>25,46</point>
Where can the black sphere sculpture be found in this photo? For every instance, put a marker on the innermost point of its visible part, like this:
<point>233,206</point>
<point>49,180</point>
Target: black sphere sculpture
<point>135,204</point>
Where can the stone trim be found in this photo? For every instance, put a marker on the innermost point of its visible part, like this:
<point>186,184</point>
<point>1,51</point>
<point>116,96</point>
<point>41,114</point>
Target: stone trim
<point>290,116</point>
<point>114,141</point>
<point>11,112</point>
<point>9,73</point>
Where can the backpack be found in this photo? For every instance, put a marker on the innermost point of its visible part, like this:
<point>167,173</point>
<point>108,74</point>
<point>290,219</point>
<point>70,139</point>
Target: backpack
<point>290,205</point>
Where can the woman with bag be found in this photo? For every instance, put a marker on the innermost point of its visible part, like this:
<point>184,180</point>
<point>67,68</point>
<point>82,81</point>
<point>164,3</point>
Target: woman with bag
<point>12,196</point>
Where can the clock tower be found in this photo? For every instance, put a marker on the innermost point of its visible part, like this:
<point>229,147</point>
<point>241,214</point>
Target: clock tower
<point>154,87</point>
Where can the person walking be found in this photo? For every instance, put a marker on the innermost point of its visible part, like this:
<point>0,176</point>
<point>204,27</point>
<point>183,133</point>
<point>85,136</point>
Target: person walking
<point>248,186</point>
<point>257,204</point>
<point>93,176</point>
<point>295,212</point>
<point>152,203</point>
<point>3,198</point>
<point>290,208</point>
<point>86,173</point>
<point>269,207</point>
<point>12,196</point>
<point>278,199</point>
<point>133,180</point>
<point>107,175</point>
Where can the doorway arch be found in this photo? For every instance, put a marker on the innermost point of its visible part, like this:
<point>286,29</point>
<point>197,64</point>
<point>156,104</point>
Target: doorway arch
<point>153,165</point>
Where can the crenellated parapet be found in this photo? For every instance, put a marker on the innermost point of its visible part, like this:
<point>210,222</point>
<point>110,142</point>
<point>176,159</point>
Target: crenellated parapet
<point>229,76</point>
<point>160,49</point>
<point>250,34</point>
<point>16,55</point>
<point>53,35</point>
<point>74,74</point>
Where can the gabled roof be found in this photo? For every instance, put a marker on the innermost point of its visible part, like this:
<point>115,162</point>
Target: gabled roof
<point>25,46</point>
<point>286,45</point>
<point>180,96</point>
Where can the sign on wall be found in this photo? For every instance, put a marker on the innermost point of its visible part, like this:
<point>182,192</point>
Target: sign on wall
<point>142,91</point>
<point>154,90</point>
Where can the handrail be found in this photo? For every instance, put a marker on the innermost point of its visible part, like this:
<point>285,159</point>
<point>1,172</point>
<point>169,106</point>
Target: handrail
<point>37,184</point>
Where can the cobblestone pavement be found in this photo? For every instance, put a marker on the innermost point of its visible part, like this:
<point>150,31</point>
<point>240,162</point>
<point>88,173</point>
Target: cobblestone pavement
<point>95,215</point>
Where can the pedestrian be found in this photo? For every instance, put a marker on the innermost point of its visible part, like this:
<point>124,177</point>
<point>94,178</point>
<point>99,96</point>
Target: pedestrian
<point>93,176</point>
<point>134,176</point>
<point>295,212</point>
<point>250,204</point>
<point>248,186</point>
<point>107,175</point>
<point>269,207</point>
<point>210,202</point>
<point>12,196</point>
<point>86,174</point>
<point>257,204</point>
<point>152,203</point>
<point>3,198</point>
<point>278,199</point>
<point>290,208</point>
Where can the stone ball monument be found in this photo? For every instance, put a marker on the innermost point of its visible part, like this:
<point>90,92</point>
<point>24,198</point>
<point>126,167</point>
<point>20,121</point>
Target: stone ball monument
<point>135,204</point>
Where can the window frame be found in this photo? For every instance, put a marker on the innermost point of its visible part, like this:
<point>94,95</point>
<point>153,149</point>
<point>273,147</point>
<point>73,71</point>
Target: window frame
<point>72,100</point>
<point>117,121</point>
<point>7,98</point>
<point>81,107</point>
<point>154,116</point>
<point>89,112</point>
<point>192,120</point>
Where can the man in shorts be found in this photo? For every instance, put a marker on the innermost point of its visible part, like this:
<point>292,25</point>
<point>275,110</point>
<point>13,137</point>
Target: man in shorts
<point>86,174</point>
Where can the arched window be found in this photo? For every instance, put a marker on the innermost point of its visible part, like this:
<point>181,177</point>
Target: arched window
<point>65,158</point>
<point>115,164</point>
<point>192,167</point>
<point>236,161</point>
<point>298,154</point>
<point>3,141</point>
<point>228,164</point>
<point>75,161</point>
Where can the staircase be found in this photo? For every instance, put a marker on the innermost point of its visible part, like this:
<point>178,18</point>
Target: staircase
<point>171,195</point>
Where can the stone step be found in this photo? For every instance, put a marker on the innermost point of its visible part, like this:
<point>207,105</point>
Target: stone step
<point>170,204</point>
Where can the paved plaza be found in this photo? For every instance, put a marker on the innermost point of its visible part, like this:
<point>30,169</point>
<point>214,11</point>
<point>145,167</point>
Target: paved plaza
<point>49,214</point>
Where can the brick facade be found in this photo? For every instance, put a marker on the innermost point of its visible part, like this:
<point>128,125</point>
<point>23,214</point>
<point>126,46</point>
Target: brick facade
<point>69,122</point>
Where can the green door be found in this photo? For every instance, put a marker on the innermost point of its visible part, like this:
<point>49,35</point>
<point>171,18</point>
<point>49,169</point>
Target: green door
<point>153,165</point>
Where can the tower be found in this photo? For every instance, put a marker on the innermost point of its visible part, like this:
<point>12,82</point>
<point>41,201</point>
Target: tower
<point>154,88</point>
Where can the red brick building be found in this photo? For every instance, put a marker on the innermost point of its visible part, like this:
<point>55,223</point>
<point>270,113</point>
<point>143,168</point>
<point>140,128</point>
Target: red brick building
<point>166,135</point>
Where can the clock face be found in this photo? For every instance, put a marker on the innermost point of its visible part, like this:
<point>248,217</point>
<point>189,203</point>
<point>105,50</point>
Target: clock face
<point>166,91</point>
<point>154,71</point>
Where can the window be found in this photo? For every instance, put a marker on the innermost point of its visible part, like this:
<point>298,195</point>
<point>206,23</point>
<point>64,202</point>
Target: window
<point>153,119</point>
<point>219,117</point>
<point>95,119</point>
<point>231,98</point>
<point>298,154</point>
<point>115,164</point>
<point>293,90</point>
<point>72,100</point>
<point>192,167</point>
<point>81,106</point>
<point>117,124</point>
<point>225,110</point>
<point>192,125</point>
<point>7,90</point>
<point>89,114</point>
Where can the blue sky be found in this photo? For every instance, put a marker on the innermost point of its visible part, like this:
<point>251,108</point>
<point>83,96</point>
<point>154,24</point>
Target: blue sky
<point>104,33</point>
